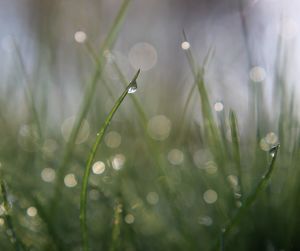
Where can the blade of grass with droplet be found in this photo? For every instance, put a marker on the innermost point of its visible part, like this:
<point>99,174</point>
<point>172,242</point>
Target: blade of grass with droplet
<point>190,58</point>
<point>213,134</point>
<point>167,188</point>
<point>248,202</point>
<point>236,146</point>
<point>192,65</point>
<point>99,138</point>
<point>87,100</point>
<point>16,241</point>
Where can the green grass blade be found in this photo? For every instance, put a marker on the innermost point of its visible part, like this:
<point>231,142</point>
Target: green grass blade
<point>15,240</point>
<point>99,138</point>
<point>115,243</point>
<point>190,57</point>
<point>56,241</point>
<point>254,195</point>
<point>28,90</point>
<point>236,146</point>
<point>112,35</point>
<point>87,99</point>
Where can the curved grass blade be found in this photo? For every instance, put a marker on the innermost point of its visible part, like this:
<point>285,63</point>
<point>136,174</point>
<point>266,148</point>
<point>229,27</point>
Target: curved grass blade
<point>99,138</point>
<point>253,196</point>
<point>87,99</point>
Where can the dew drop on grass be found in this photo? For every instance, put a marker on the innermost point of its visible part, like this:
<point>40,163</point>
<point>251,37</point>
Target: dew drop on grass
<point>273,150</point>
<point>132,88</point>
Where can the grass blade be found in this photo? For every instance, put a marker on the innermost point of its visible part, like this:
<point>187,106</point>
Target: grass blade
<point>236,146</point>
<point>116,227</point>
<point>99,138</point>
<point>19,246</point>
<point>254,195</point>
<point>87,100</point>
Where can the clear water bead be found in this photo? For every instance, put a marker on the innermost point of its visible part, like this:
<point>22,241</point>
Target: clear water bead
<point>273,150</point>
<point>133,87</point>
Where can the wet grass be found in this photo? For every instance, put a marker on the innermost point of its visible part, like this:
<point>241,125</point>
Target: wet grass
<point>200,186</point>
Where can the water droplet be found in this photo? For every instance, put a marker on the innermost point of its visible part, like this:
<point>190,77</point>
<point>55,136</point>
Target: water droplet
<point>133,87</point>
<point>273,150</point>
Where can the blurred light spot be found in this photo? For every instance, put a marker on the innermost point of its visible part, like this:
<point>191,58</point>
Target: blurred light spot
<point>201,157</point>
<point>205,220</point>
<point>239,204</point>
<point>159,127</point>
<point>118,161</point>
<point>185,45</point>
<point>233,180</point>
<point>129,218</point>
<point>271,138</point>
<point>218,106</point>
<point>70,180</point>
<point>31,211</point>
<point>152,198</point>
<point>264,145</point>
<point>80,37</point>
<point>289,28</point>
<point>94,194</point>
<point>142,56</point>
<point>211,167</point>
<point>257,74</point>
<point>210,196</point>
<point>98,167</point>
<point>113,139</point>
<point>109,56</point>
<point>67,126</point>
<point>49,146</point>
<point>175,157</point>
<point>1,221</point>
<point>28,137</point>
<point>48,174</point>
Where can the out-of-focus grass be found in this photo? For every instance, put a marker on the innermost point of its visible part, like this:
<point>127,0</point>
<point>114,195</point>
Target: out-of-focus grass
<point>156,190</point>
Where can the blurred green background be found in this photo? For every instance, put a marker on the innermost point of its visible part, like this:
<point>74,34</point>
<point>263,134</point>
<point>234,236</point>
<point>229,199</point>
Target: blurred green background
<point>190,161</point>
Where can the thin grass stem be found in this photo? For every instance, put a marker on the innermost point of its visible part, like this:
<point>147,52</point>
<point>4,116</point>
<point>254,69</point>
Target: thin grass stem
<point>99,138</point>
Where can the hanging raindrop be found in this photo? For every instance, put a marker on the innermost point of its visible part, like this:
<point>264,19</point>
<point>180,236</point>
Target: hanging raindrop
<point>133,85</point>
<point>273,150</point>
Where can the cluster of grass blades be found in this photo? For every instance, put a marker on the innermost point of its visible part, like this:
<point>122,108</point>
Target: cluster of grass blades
<point>165,201</point>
